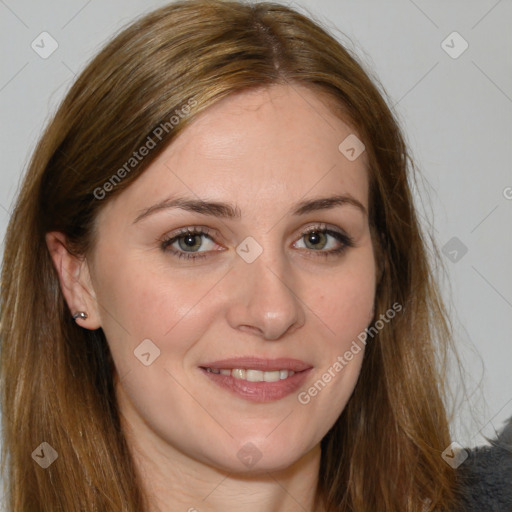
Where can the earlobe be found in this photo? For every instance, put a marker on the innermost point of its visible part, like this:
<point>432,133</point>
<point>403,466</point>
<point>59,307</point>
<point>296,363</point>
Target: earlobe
<point>75,282</point>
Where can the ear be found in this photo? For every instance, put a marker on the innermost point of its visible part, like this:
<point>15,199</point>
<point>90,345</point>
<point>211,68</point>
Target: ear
<point>75,280</point>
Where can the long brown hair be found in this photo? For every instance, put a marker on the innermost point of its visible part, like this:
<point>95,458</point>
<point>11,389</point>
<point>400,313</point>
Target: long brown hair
<point>384,451</point>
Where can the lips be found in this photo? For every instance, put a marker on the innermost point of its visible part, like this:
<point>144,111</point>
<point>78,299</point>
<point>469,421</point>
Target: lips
<point>255,379</point>
<point>255,363</point>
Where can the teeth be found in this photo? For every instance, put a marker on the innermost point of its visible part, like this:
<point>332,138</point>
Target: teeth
<point>254,375</point>
<point>238,374</point>
<point>270,376</point>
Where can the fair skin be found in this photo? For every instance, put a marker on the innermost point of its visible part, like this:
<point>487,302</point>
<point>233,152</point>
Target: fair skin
<point>264,151</point>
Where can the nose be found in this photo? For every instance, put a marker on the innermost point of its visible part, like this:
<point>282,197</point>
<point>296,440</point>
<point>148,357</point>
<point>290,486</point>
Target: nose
<point>265,298</point>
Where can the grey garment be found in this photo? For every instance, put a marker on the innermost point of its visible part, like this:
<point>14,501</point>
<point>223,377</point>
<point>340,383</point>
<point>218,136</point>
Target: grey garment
<point>486,476</point>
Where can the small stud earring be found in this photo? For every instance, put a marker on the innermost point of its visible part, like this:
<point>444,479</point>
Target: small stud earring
<point>81,314</point>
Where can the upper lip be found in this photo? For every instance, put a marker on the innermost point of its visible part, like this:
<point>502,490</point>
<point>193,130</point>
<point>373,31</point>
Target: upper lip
<point>257,363</point>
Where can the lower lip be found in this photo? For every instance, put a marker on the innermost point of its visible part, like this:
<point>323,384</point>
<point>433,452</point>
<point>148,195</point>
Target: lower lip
<point>259,391</point>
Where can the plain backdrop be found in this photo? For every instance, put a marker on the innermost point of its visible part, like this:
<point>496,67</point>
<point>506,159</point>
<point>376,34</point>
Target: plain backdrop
<point>452,93</point>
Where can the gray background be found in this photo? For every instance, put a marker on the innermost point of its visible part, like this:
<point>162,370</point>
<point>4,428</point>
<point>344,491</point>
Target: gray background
<point>456,113</point>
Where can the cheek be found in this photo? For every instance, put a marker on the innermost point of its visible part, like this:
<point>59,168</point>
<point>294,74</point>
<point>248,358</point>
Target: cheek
<point>345,306</point>
<point>140,300</point>
<point>346,301</point>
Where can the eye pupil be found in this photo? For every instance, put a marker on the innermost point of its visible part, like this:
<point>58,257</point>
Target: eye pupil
<point>315,237</point>
<point>190,240</point>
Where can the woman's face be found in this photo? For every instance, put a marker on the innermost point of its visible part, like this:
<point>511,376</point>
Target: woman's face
<point>261,294</point>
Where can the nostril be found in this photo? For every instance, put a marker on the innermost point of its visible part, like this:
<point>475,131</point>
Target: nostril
<point>251,329</point>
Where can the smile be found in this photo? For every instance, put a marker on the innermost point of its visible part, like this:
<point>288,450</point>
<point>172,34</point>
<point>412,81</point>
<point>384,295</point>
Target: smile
<point>257,379</point>
<point>252,375</point>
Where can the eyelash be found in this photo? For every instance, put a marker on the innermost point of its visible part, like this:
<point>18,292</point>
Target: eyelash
<point>346,241</point>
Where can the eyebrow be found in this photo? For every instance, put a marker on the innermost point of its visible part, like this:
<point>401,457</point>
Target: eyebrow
<point>230,211</point>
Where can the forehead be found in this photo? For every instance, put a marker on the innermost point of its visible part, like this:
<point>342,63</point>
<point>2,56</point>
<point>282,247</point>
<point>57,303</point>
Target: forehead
<point>293,121</point>
<point>276,145</point>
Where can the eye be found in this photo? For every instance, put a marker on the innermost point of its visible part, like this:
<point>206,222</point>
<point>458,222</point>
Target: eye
<point>317,240</point>
<point>187,242</point>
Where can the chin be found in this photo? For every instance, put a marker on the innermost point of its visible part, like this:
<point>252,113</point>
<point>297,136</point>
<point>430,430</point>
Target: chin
<point>257,456</point>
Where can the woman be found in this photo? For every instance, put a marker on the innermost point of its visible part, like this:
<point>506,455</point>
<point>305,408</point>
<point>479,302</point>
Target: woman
<point>215,291</point>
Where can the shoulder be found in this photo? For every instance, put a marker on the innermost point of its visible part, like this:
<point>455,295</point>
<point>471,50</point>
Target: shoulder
<point>485,477</point>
